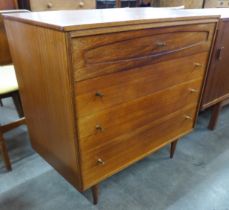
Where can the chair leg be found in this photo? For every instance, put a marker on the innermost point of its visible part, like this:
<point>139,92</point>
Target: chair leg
<point>18,105</point>
<point>4,152</point>
<point>1,104</point>
<point>214,116</point>
<point>173,148</point>
<point>95,193</point>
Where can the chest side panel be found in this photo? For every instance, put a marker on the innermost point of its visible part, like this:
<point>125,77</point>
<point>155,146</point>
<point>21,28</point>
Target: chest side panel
<point>40,57</point>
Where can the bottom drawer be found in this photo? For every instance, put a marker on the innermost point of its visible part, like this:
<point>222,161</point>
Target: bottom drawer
<point>120,152</point>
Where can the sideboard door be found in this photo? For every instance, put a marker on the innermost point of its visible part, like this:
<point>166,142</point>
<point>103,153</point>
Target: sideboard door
<point>217,86</point>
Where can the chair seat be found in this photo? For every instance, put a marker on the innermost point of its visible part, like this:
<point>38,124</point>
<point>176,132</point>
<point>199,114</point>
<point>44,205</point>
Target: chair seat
<point>8,80</point>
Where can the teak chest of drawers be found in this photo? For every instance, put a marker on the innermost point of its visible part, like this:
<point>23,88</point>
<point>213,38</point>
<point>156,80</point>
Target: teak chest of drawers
<point>103,89</point>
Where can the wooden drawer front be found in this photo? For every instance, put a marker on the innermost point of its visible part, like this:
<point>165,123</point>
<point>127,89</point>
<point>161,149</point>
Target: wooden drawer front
<point>102,54</point>
<point>98,129</point>
<point>132,146</point>
<point>97,94</point>
<point>41,5</point>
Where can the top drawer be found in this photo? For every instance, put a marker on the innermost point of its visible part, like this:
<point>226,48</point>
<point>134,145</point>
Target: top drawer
<point>41,5</point>
<point>102,54</point>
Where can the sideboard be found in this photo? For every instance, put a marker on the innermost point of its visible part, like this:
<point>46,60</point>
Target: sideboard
<point>102,89</point>
<point>216,93</point>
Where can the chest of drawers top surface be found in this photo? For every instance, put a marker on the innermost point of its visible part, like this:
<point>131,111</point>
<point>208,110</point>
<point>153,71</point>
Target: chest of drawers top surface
<point>87,19</point>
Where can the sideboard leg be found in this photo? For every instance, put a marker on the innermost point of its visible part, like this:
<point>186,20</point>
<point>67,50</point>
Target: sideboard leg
<point>95,193</point>
<point>214,116</point>
<point>173,148</point>
<point>4,152</point>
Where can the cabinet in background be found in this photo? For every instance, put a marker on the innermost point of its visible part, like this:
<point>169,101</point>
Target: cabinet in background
<point>216,93</point>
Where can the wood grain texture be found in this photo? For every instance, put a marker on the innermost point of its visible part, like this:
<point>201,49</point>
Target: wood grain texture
<point>42,5</point>
<point>132,146</point>
<point>147,75</point>
<point>217,86</point>
<point>135,113</point>
<point>5,57</point>
<point>126,50</point>
<point>45,84</point>
<point>138,82</point>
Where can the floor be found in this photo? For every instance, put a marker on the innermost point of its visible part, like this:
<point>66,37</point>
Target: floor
<point>196,179</point>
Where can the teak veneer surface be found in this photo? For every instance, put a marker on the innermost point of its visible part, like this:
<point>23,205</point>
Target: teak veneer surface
<point>102,89</point>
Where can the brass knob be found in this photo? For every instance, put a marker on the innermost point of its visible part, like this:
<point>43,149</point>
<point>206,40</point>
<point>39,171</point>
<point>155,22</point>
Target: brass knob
<point>187,117</point>
<point>192,90</point>
<point>99,94</point>
<point>197,65</point>
<point>81,4</point>
<point>99,127</point>
<point>100,161</point>
<point>49,5</point>
<point>161,44</point>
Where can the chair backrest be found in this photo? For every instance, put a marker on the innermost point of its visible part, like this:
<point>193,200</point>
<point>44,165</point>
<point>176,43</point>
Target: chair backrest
<point>5,57</point>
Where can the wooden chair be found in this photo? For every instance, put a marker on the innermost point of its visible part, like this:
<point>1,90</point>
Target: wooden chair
<point>8,88</point>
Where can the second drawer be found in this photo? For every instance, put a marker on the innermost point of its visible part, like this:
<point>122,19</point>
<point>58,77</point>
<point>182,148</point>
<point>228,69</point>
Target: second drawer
<point>97,129</point>
<point>97,94</point>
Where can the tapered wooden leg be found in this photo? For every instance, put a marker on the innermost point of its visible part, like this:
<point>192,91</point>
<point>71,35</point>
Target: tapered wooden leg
<point>18,105</point>
<point>95,193</point>
<point>173,148</point>
<point>214,116</point>
<point>4,152</point>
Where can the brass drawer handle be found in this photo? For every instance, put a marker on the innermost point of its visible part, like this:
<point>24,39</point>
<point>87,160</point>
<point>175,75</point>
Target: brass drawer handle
<point>49,5</point>
<point>100,161</point>
<point>197,65</point>
<point>187,117</point>
<point>99,94</point>
<point>161,44</point>
<point>98,127</point>
<point>192,90</point>
<point>81,4</point>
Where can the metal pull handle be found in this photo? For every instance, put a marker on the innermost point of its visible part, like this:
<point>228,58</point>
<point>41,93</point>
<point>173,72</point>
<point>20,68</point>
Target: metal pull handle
<point>219,53</point>
<point>99,128</point>
<point>100,161</point>
<point>187,117</point>
<point>99,94</point>
<point>161,44</point>
<point>49,5</point>
<point>197,65</point>
<point>192,90</point>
